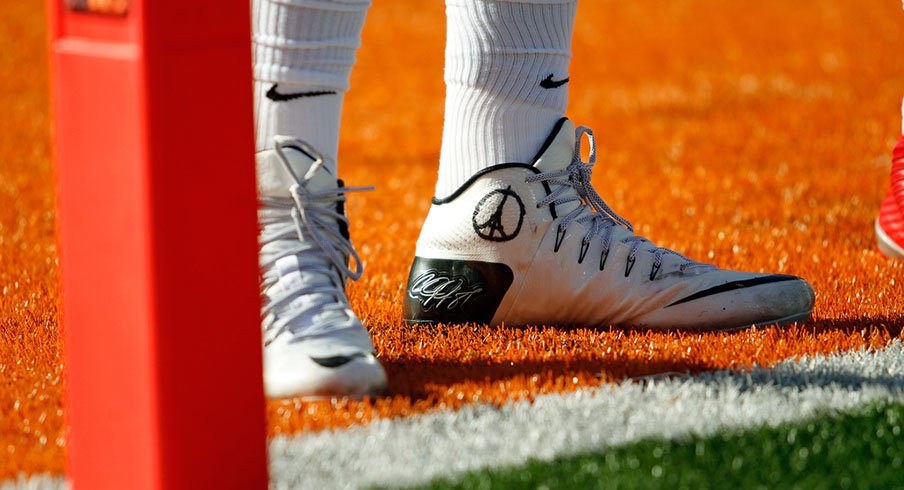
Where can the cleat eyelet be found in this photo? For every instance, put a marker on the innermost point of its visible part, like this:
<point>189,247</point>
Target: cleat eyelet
<point>585,247</point>
<point>560,236</point>
<point>603,256</point>
<point>655,270</point>
<point>630,265</point>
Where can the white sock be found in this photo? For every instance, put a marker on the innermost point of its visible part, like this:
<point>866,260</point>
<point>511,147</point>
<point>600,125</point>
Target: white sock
<point>303,54</point>
<point>498,52</point>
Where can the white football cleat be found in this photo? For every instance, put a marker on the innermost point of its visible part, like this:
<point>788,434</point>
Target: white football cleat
<point>314,345</point>
<point>535,244</point>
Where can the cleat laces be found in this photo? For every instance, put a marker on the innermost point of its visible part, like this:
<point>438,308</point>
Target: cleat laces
<point>593,211</point>
<point>306,225</point>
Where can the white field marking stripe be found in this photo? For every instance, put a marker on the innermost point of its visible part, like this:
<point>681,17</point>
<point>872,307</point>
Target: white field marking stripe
<point>414,450</point>
<point>34,482</point>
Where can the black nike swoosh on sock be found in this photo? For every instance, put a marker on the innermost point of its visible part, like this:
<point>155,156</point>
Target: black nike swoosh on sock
<point>273,95</point>
<point>731,286</point>
<point>548,82</point>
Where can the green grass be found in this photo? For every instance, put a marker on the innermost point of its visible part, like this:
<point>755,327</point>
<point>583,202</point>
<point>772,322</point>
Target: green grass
<point>858,450</point>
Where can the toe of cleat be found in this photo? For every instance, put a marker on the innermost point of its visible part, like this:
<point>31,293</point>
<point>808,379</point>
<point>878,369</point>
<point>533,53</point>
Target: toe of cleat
<point>300,375</point>
<point>767,302</point>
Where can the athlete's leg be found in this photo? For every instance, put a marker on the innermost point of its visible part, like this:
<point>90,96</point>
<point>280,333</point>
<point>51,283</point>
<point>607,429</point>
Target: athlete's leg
<point>314,343</point>
<point>304,51</point>
<point>506,82</point>
<point>518,235</point>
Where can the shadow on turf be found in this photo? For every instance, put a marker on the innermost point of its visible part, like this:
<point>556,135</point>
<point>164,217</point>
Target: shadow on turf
<point>421,378</point>
<point>892,325</point>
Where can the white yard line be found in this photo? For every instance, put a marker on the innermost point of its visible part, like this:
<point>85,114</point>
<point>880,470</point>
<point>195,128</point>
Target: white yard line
<point>34,482</point>
<point>407,451</point>
<point>414,450</point>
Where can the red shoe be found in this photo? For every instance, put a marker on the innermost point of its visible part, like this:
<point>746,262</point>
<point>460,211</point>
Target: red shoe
<point>890,223</point>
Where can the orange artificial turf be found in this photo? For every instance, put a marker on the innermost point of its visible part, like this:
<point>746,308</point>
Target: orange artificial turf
<point>456,365</point>
<point>751,134</point>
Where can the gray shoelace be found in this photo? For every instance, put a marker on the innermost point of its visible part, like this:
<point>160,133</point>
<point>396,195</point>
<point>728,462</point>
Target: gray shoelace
<point>592,210</point>
<point>306,225</point>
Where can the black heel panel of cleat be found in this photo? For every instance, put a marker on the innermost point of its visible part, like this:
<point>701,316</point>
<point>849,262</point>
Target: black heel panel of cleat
<point>455,291</point>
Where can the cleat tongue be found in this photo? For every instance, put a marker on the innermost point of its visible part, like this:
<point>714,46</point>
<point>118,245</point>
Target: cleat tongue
<point>560,151</point>
<point>557,155</point>
<point>275,180</point>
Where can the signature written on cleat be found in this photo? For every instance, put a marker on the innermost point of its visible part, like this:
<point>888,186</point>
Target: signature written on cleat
<point>435,289</point>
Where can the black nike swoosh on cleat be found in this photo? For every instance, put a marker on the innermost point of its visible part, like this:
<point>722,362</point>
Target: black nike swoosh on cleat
<point>731,286</point>
<point>336,361</point>
<point>548,82</point>
<point>273,95</point>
